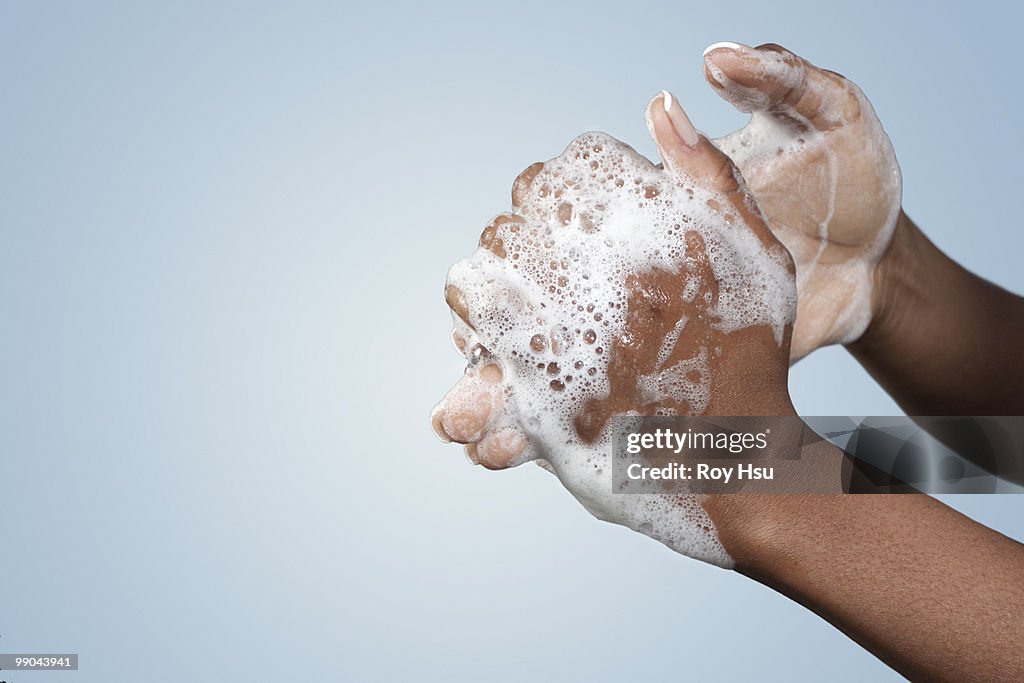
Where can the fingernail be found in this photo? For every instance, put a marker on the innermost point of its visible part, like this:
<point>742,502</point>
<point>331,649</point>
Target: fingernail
<point>724,45</point>
<point>680,122</point>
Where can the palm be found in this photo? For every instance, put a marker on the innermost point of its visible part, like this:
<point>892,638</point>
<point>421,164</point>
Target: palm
<point>822,170</point>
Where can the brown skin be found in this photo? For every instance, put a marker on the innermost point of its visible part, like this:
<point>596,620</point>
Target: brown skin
<point>932,315</point>
<point>814,195</point>
<point>929,314</point>
<point>932,593</point>
<point>748,368</point>
<point>927,590</point>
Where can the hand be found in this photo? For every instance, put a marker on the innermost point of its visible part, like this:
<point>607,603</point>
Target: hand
<point>823,171</point>
<point>618,287</point>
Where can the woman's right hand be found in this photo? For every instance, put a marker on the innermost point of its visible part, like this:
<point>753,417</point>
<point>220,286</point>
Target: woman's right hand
<point>817,161</point>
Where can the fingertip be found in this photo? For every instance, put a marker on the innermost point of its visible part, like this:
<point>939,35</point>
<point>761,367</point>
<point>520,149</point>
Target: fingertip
<point>521,185</point>
<point>671,129</point>
<point>683,149</point>
<point>730,69</point>
<point>721,45</point>
<point>751,79</point>
<point>500,450</point>
<point>733,60</point>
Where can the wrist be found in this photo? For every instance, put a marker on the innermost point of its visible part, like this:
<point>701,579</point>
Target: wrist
<point>771,536</point>
<point>895,285</point>
<point>764,534</point>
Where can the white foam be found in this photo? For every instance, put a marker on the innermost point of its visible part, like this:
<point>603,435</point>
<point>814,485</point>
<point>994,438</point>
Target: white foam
<point>774,67</point>
<point>549,297</point>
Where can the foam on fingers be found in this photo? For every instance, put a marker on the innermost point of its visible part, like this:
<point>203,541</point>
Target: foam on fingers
<point>464,412</point>
<point>753,80</point>
<point>598,232</point>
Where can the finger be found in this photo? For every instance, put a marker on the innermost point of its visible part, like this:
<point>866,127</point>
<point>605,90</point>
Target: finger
<point>462,415</point>
<point>687,152</point>
<point>684,150</point>
<point>500,449</point>
<point>522,183</point>
<point>772,79</point>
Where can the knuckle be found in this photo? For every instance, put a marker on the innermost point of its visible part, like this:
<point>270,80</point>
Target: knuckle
<point>724,174</point>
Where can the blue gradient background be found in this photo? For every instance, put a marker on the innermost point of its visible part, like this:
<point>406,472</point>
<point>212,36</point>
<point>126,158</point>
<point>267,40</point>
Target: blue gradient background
<point>225,230</point>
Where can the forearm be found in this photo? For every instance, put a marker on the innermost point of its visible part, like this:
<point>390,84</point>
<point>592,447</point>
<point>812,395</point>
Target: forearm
<point>943,341</point>
<point>927,590</point>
